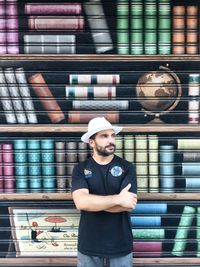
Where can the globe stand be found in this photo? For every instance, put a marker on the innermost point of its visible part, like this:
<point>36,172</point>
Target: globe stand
<point>156,119</point>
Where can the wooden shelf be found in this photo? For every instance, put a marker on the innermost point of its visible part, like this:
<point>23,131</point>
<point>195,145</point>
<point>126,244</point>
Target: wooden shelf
<point>72,261</point>
<point>68,196</point>
<point>75,128</point>
<point>94,57</point>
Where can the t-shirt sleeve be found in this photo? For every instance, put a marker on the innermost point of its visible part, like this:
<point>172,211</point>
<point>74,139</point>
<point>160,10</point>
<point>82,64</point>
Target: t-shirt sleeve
<point>78,179</point>
<point>130,178</point>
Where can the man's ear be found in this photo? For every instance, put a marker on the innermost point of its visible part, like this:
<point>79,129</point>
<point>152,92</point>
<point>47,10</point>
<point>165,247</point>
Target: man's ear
<point>91,142</point>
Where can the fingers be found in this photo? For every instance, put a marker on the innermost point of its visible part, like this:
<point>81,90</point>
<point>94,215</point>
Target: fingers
<point>127,187</point>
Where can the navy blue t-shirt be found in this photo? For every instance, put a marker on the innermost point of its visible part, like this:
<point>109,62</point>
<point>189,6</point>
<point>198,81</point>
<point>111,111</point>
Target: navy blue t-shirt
<point>104,234</point>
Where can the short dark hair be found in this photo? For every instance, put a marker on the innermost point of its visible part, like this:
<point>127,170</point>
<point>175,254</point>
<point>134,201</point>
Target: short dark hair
<point>93,136</point>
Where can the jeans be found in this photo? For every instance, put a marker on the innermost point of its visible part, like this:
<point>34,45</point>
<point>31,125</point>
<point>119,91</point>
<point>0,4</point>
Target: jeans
<point>95,261</point>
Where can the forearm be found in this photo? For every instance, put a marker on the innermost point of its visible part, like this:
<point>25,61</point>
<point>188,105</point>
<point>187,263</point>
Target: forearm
<point>117,209</point>
<point>91,202</point>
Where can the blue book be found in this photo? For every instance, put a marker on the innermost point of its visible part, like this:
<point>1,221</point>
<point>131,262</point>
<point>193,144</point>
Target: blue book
<point>145,221</point>
<point>150,208</point>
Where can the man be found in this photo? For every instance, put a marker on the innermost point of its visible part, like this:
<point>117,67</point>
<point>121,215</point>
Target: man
<point>104,189</point>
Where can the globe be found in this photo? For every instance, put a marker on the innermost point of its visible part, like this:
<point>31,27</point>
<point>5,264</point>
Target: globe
<point>158,92</point>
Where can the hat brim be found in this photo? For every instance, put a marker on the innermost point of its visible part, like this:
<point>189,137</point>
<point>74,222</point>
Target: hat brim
<point>85,137</point>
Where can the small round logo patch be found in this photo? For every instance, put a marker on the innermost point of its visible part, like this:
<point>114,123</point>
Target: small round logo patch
<point>116,171</point>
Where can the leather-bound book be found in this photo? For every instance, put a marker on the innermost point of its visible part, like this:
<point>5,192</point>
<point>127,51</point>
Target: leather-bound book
<point>47,99</point>
<point>86,116</point>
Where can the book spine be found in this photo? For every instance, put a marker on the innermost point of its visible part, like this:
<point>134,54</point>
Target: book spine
<point>167,169</point>
<point>58,23</point>
<point>147,249</point>
<point>8,168</point>
<point>82,151</point>
<point>61,179</point>
<point>192,30</point>
<point>198,232</point>
<point>86,116</point>
<point>98,25</point>
<point>34,163</point>
<point>52,8</point>
<point>193,102</point>
<point>190,168</point>
<point>1,170</point>
<point>21,165</point>
<point>148,233</point>
<point>145,221</point>
<point>48,165</point>
<point>183,228</point>
<point>164,27</point>
<point>3,49</point>
<point>119,146</point>
<point>100,105</point>
<point>122,27</point>
<point>94,79</point>
<point>141,162</point>
<point>191,156</point>
<point>192,184</point>
<point>186,144</point>
<point>47,99</point>
<point>6,100</point>
<point>12,26</point>
<point>129,148</point>
<point>136,33</point>
<point>26,95</point>
<point>90,92</point>
<point>49,44</point>
<point>178,34</point>
<point>150,208</point>
<point>153,163</point>
<point>71,157</point>
<point>150,27</point>
<point>15,95</point>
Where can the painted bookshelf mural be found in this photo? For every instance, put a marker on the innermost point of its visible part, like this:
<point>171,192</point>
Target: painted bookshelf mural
<point>97,27</point>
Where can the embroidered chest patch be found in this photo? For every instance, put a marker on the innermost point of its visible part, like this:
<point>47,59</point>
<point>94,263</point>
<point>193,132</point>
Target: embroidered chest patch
<point>116,171</point>
<point>87,173</point>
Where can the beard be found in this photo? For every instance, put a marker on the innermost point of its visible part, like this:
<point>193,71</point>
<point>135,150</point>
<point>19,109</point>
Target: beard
<point>104,151</point>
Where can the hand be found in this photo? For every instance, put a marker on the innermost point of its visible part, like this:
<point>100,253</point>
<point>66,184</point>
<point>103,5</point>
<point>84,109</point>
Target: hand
<point>127,199</point>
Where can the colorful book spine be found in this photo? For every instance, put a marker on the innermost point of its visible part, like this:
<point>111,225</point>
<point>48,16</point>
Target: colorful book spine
<point>167,169</point>
<point>136,33</point>
<point>193,94</point>
<point>129,148</point>
<point>47,99</point>
<point>182,232</point>
<point>192,30</point>
<point>8,168</point>
<point>148,233</point>
<point>6,100</point>
<point>53,9</point>
<point>26,95</point>
<point>21,165</point>
<point>191,168</point>
<point>34,165</point>
<point>191,156</point>
<point>150,27</point>
<point>164,27</point>
<point>141,160</point>
<point>3,49</point>
<point>71,158</point>
<point>192,184</point>
<point>153,169</point>
<point>48,165</point>
<point>1,170</point>
<point>90,92</point>
<point>123,27</point>
<point>86,116</point>
<point>150,208</point>
<point>188,144</point>
<point>145,221</point>
<point>49,44</point>
<point>198,232</point>
<point>147,248</point>
<point>55,23</point>
<point>119,146</point>
<point>82,151</point>
<point>100,105</point>
<point>12,27</point>
<point>178,34</point>
<point>94,79</point>
<point>60,155</point>
<point>98,25</point>
<point>15,95</point>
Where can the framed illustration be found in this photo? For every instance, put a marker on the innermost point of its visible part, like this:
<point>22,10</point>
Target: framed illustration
<point>44,232</point>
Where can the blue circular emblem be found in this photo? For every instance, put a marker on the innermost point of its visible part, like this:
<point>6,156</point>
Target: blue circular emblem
<point>116,171</point>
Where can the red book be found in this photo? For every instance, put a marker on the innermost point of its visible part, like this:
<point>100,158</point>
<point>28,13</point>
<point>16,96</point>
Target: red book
<point>55,23</point>
<point>53,8</point>
<point>8,168</point>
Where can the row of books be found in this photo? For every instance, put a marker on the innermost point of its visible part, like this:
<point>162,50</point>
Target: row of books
<point>39,165</point>
<point>152,28</point>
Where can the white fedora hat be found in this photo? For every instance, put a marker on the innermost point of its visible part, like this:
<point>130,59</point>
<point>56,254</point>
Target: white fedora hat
<point>96,125</point>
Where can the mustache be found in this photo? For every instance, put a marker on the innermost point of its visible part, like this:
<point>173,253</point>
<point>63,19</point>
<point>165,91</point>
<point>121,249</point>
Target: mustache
<point>111,145</point>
